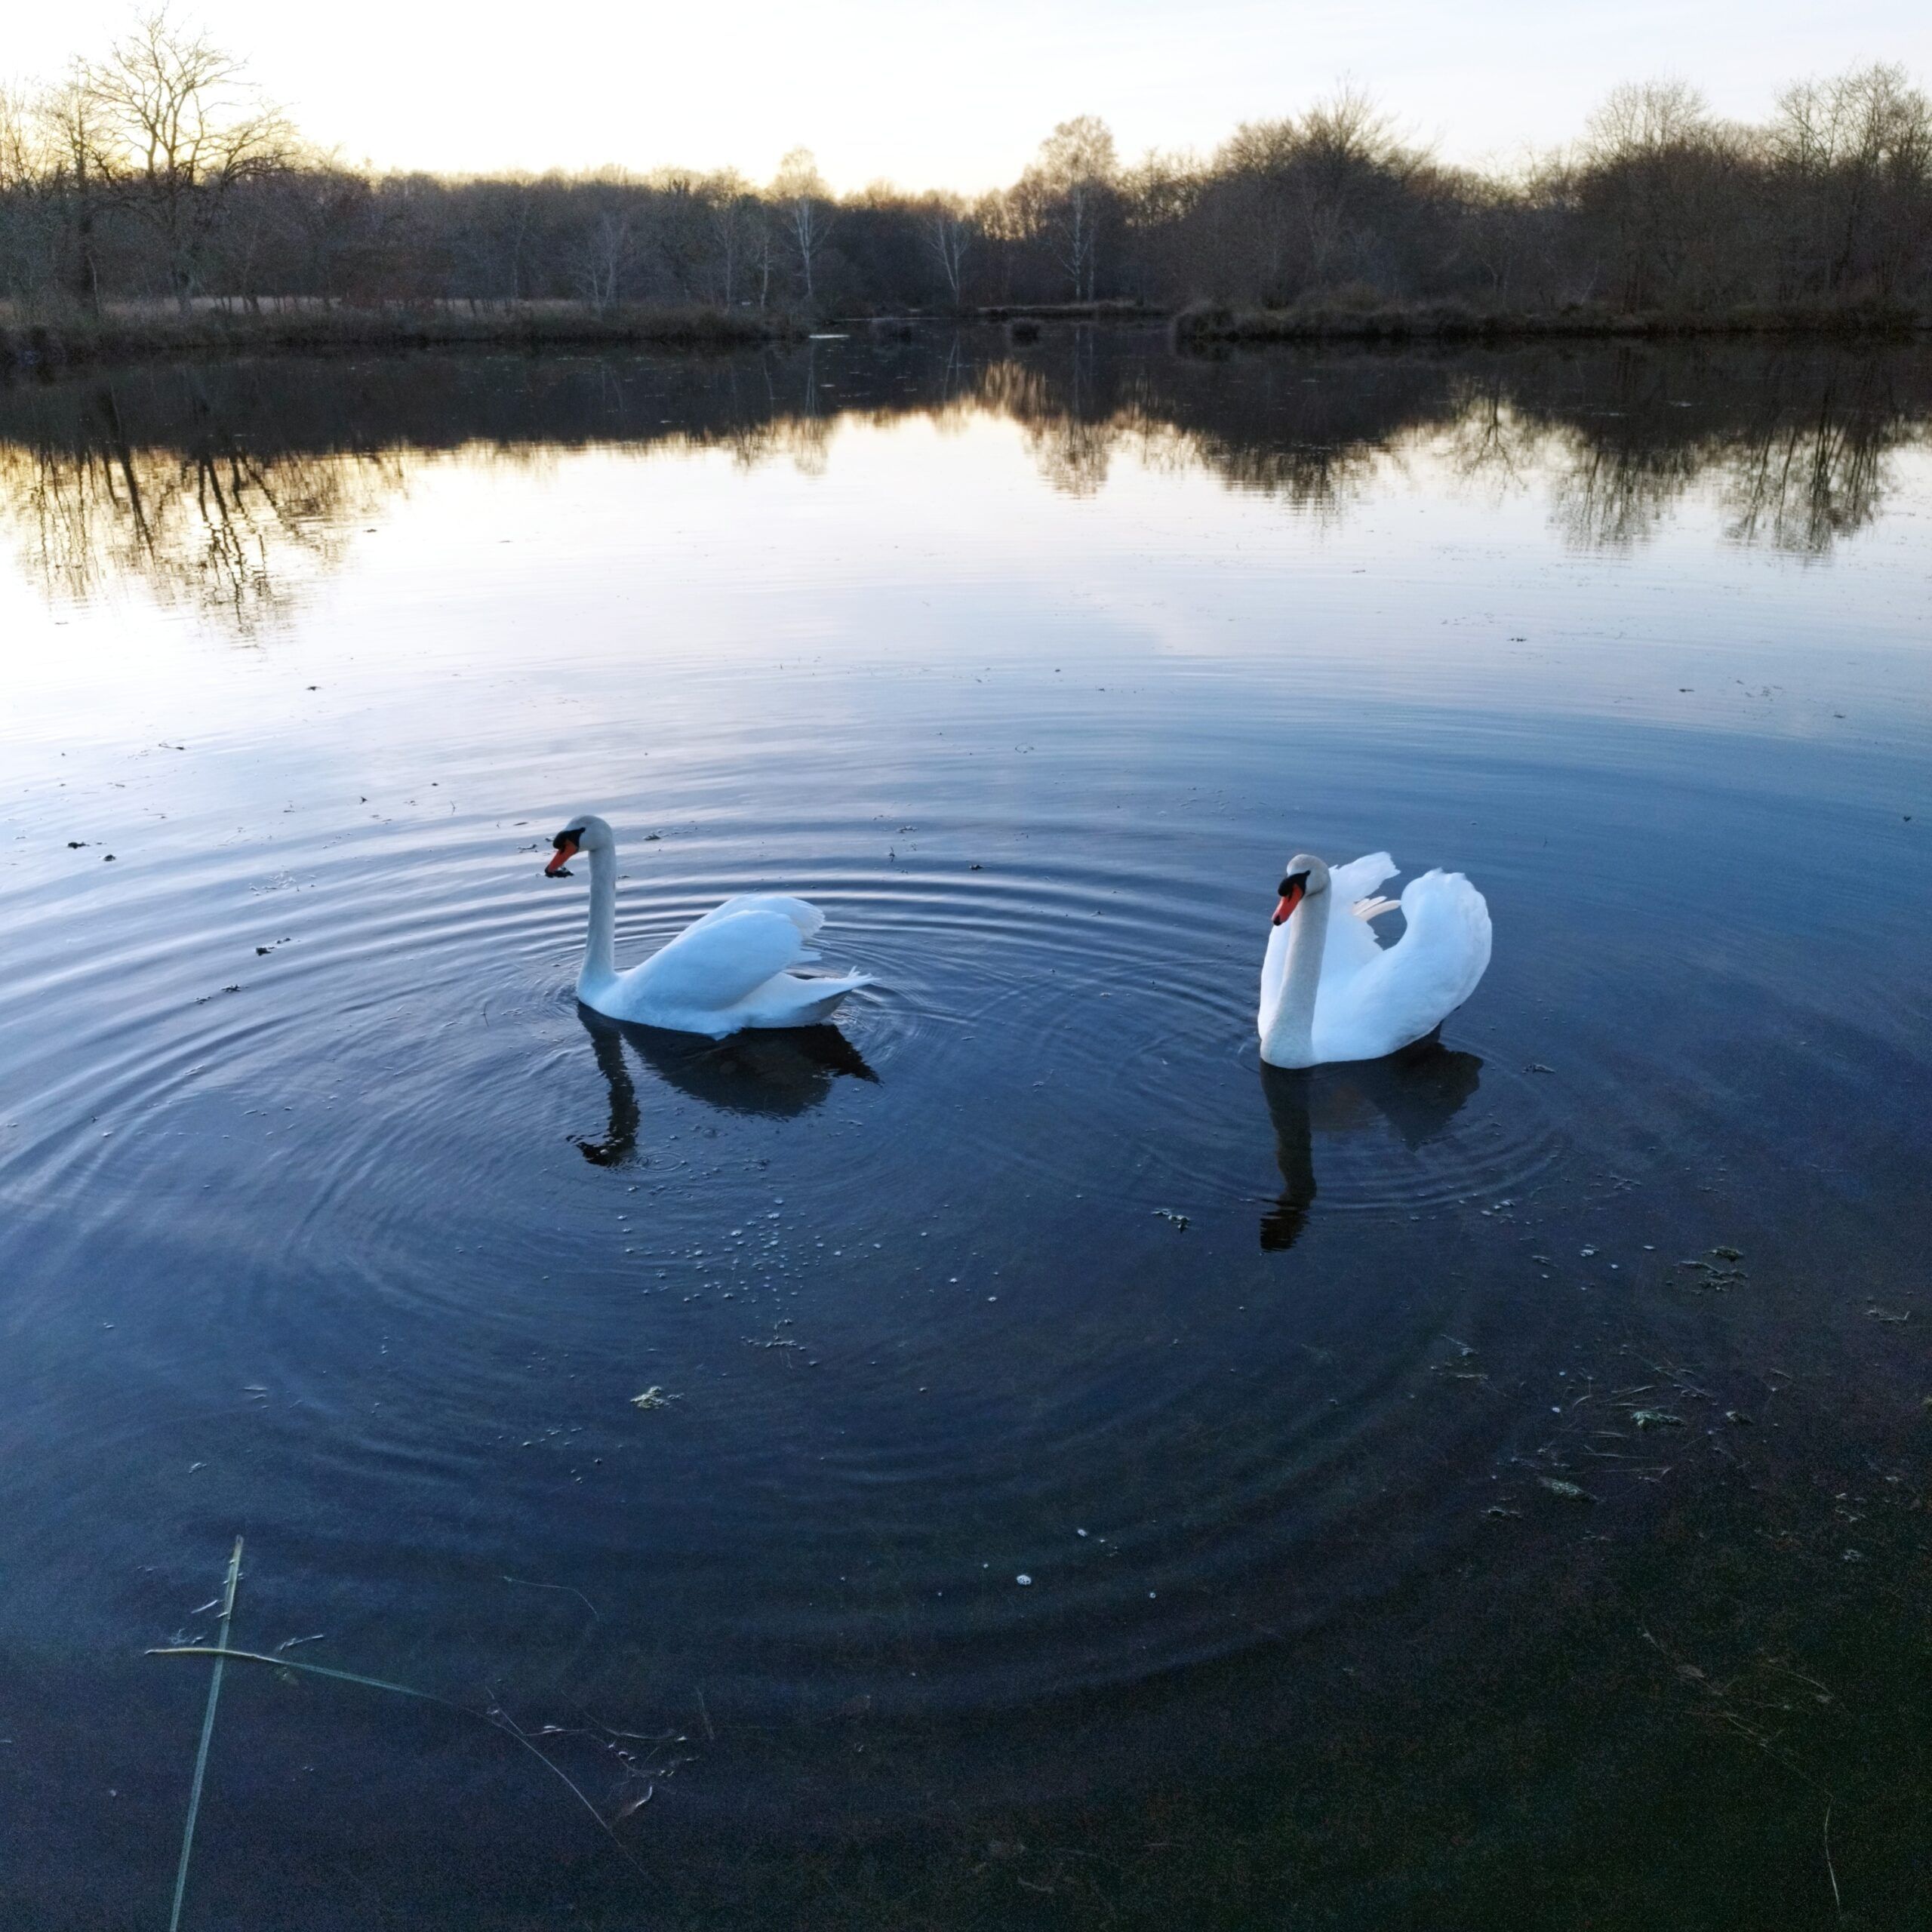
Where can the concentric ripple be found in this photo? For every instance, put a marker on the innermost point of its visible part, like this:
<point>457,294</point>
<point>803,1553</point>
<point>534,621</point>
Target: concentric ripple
<point>1021,1338</point>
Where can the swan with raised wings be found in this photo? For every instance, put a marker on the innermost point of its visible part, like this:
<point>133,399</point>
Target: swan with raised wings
<point>727,971</point>
<point>1331,990</point>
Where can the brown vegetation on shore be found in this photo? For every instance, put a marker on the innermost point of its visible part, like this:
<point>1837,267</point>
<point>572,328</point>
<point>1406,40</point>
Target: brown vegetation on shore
<point>125,331</point>
<point>1204,323</point>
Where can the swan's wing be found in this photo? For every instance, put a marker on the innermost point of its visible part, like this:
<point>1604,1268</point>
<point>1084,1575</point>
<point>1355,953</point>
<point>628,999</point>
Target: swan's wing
<point>1411,987</point>
<point>801,912</point>
<point>1359,878</point>
<point>1451,919</point>
<point>722,959</point>
<point>1352,945</point>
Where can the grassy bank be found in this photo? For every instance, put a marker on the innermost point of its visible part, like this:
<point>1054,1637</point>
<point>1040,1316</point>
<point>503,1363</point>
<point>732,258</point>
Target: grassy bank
<point>1205,324</point>
<point>132,332</point>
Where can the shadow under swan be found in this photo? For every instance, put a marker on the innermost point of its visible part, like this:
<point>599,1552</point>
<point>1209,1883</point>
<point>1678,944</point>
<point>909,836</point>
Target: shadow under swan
<point>777,1074</point>
<point>1415,1093</point>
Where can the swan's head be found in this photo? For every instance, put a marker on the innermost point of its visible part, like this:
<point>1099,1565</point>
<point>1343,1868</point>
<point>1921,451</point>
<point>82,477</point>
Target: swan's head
<point>585,832</point>
<point>1306,876</point>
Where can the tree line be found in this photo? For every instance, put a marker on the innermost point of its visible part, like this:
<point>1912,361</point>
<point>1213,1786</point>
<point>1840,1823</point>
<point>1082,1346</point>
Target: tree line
<point>155,173</point>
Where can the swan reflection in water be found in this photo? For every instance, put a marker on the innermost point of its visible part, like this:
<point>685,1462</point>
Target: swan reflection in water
<point>777,1074</point>
<point>1415,1093</point>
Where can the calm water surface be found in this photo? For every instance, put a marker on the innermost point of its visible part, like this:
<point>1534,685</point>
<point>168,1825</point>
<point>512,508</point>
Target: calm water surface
<point>1093,1481</point>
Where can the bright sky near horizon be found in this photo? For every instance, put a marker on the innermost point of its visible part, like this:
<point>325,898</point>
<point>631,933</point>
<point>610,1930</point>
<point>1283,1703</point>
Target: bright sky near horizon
<point>959,95</point>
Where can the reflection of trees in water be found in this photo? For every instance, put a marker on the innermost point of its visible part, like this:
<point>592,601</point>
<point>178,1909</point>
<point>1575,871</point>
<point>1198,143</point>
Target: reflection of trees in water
<point>1797,439</point>
<point>1071,429</point>
<point>1611,493</point>
<point>227,486</point>
<point>1801,486</point>
<point>213,525</point>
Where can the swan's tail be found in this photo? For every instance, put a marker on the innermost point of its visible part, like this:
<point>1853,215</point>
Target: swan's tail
<point>827,995</point>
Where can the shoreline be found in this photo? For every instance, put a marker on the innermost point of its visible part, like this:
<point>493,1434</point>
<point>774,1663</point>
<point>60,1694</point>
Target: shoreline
<point>143,333</point>
<point>1207,324</point>
<point>149,333</point>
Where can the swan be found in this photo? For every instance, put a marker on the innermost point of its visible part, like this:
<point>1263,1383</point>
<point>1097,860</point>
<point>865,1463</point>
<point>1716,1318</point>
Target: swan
<point>726,971</point>
<point>1331,990</point>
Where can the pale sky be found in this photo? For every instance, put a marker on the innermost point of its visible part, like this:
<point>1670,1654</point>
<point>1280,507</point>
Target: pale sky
<point>959,95</point>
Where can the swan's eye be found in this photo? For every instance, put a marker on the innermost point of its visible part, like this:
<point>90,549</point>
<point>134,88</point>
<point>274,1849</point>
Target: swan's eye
<point>563,838</point>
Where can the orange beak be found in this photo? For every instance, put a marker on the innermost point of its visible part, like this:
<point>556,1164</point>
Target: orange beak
<point>1290,898</point>
<point>563,854</point>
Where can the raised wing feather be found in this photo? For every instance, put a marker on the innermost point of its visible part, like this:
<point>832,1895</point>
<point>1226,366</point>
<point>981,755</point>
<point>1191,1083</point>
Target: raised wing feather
<point>722,959</point>
<point>1351,944</point>
<point>801,912</point>
<point>1359,877</point>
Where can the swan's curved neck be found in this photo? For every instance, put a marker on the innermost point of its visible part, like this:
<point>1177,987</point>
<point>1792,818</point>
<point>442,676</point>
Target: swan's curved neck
<point>1290,1039</point>
<point>600,951</point>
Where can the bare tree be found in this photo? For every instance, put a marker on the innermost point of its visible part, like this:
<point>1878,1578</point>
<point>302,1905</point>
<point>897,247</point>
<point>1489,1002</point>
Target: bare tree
<point>1071,186</point>
<point>1856,154</point>
<point>25,239</point>
<point>170,129</point>
<point>948,234</point>
<point>603,256</point>
<point>800,190</point>
<point>731,210</point>
<point>1659,188</point>
<point>70,123</point>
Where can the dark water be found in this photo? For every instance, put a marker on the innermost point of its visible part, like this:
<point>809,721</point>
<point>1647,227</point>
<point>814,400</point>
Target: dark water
<point>1482,1488</point>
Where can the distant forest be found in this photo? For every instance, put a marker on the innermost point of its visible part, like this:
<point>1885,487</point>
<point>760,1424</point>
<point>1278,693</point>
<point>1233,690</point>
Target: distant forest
<point>155,174</point>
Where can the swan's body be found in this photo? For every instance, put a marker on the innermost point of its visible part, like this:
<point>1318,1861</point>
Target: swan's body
<point>725,972</point>
<point>1331,990</point>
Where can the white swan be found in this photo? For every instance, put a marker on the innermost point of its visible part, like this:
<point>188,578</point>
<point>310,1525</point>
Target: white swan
<point>727,971</point>
<point>1331,990</point>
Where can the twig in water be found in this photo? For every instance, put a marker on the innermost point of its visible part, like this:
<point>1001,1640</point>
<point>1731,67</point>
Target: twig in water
<point>1831,1870</point>
<point>501,1719</point>
<point>568,1589</point>
<point>495,1717</point>
<point>220,1652</point>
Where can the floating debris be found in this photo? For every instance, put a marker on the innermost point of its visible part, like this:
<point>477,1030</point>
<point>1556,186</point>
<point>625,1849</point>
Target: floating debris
<point>1570,1491</point>
<point>1656,1419</point>
<point>653,1397</point>
<point>1179,1221</point>
<point>1719,1273</point>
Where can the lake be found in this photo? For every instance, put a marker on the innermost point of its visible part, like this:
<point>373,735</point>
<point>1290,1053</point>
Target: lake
<point>1085,1478</point>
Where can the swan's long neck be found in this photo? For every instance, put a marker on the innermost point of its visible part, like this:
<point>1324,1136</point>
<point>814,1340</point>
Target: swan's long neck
<point>1290,1039</point>
<point>600,951</point>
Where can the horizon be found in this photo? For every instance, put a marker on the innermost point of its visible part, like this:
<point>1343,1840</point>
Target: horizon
<point>947,105</point>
